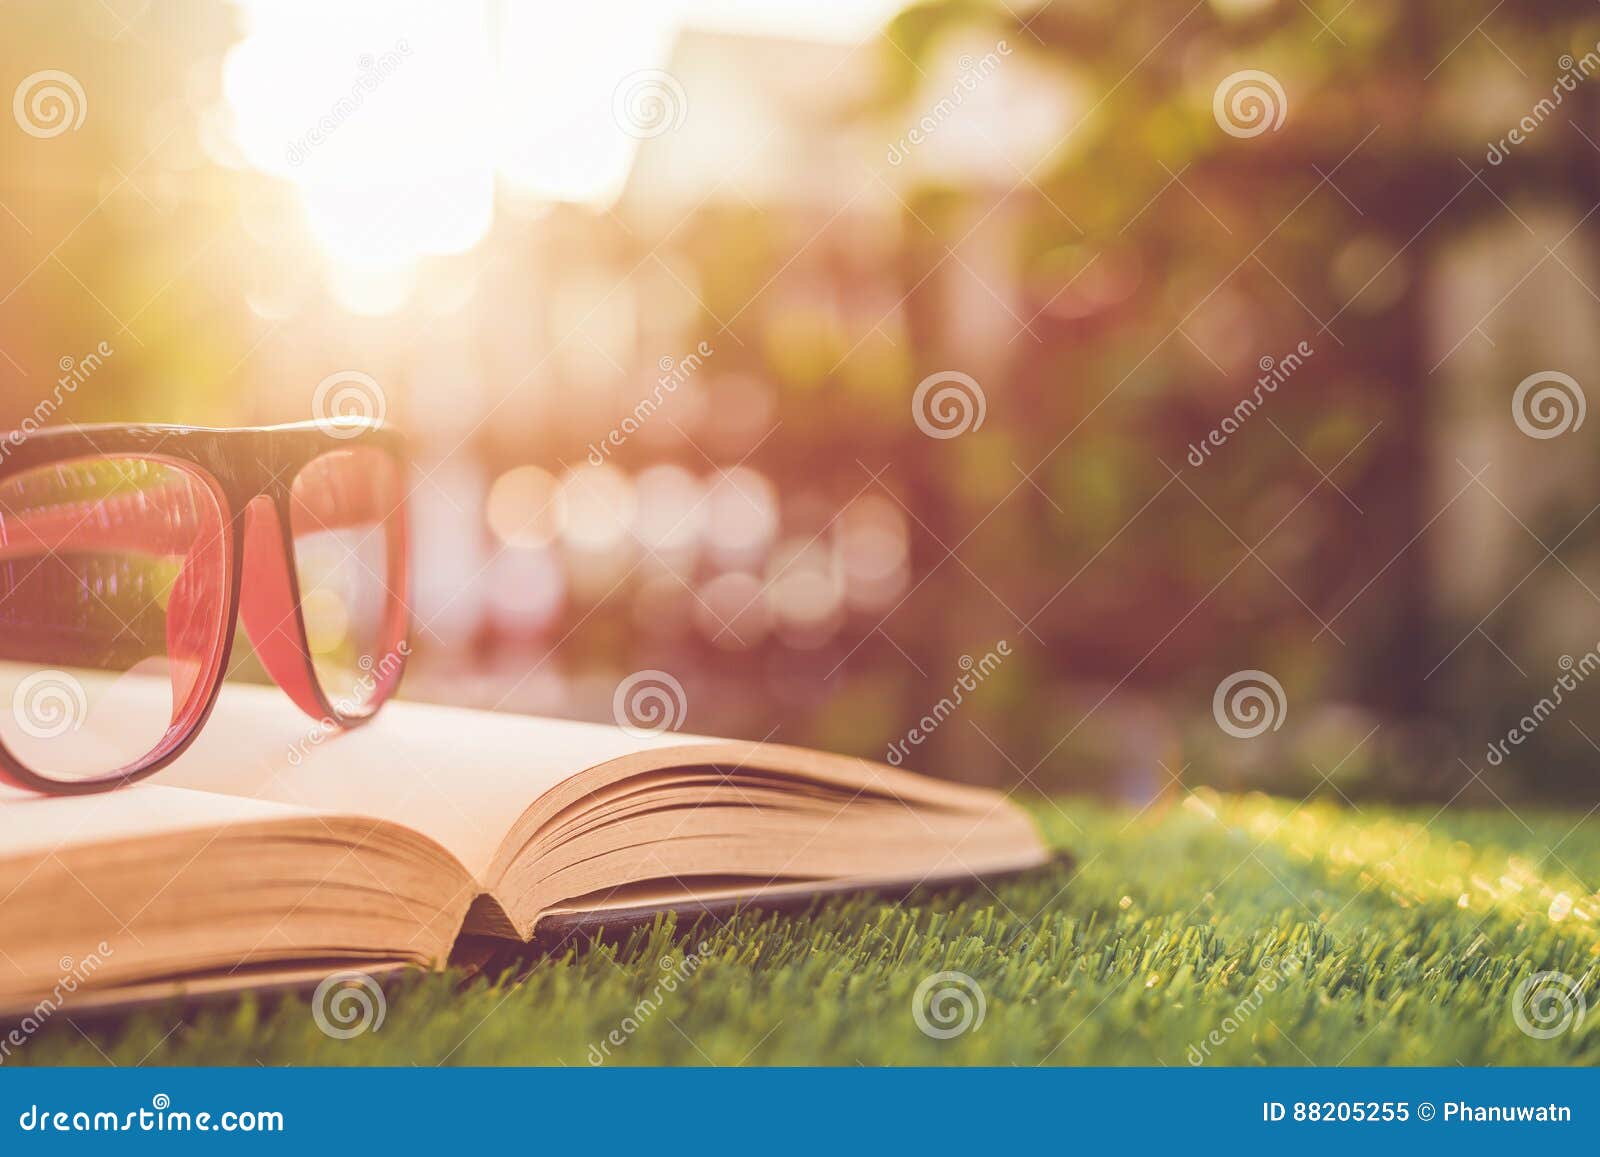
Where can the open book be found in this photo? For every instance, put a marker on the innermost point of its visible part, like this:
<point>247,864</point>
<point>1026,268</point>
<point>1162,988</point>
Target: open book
<point>273,851</point>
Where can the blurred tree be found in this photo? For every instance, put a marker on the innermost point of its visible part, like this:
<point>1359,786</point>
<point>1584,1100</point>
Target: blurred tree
<point>1170,261</point>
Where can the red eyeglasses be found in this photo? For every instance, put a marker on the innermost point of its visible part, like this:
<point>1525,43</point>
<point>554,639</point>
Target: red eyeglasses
<point>128,554</point>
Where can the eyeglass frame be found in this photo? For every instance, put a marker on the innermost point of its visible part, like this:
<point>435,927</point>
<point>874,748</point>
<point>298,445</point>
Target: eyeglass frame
<point>250,471</point>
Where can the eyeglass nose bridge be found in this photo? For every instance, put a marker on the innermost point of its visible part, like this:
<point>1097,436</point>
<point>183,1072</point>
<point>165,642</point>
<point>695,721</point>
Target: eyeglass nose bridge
<point>269,603</point>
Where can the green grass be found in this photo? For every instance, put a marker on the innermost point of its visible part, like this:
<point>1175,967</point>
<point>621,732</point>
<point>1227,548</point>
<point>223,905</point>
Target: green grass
<point>1389,937</point>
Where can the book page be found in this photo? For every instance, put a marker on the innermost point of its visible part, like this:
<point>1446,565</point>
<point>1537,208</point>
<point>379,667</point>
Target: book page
<point>463,778</point>
<point>33,825</point>
<point>459,776</point>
